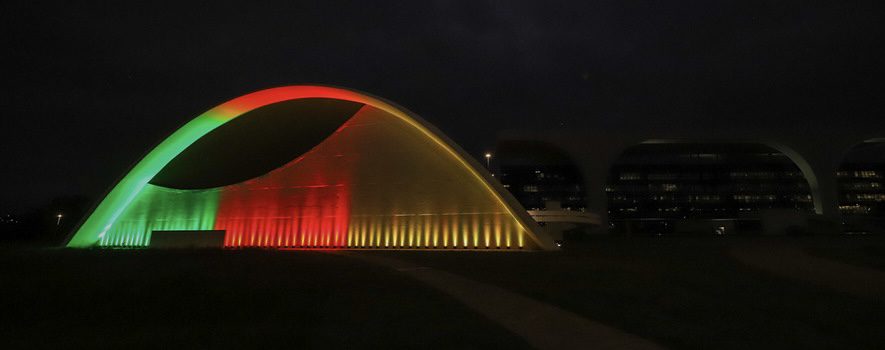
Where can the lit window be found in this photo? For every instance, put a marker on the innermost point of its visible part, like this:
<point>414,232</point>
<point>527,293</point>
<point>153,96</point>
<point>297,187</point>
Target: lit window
<point>630,176</point>
<point>866,174</point>
<point>663,176</point>
<point>871,197</point>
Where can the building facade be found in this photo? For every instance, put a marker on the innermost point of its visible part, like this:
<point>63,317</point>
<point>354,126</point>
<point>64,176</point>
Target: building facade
<point>537,174</point>
<point>309,167</point>
<point>661,188</point>
<point>862,189</point>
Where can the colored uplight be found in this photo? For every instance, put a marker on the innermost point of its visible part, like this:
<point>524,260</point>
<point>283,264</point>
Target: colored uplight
<point>119,198</point>
<point>359,188</point>
<point>157,208</point>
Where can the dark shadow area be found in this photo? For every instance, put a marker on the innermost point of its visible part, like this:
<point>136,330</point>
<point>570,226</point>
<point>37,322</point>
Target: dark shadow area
<point>690,292</point>
<point>221,299</point>
<point>46,225</point>
<point>256,143</point>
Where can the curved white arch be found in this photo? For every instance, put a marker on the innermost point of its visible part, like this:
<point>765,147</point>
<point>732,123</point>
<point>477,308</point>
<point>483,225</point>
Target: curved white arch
<point>122,194</point>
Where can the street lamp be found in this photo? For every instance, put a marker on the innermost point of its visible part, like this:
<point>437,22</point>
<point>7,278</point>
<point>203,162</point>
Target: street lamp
<point>488,159</point>
<point>58,222</point>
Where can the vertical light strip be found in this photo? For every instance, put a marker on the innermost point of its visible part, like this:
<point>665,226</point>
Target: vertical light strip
<point>435,232</point>
<point>378,227</point>
<point>465,231</point>
<point>486,230</point>
<point>455,231</point>
<point>507,232</point>
<point>474,227</point>
<point>428,224</point>
<point>411,231</point>
<point>445,230</point>
<point>497,228</point>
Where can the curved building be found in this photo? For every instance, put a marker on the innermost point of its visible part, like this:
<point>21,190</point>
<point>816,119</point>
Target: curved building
<point>309,167</point>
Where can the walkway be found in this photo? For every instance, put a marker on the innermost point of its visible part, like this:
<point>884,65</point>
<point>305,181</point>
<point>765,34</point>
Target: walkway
<point>793,262</point>
<point>544,326</point>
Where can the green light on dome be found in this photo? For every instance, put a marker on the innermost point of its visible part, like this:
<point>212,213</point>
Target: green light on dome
<point>161,209</point>
<point>102,221</point>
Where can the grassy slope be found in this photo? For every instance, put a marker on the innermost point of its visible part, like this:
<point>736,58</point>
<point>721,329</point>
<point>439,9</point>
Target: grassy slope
<point>237,299</point>
<point>684,292</point>
<point>681,292</point>
<point>867,251</point>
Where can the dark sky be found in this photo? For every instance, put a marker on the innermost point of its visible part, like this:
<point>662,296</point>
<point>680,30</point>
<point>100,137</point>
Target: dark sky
<point>88,88</point>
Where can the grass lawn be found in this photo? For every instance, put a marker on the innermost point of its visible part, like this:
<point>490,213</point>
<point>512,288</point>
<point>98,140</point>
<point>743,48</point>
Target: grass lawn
<point>868,251</point>
<point>684,293</point>
<point>230,299</point>
<point>688,292</point>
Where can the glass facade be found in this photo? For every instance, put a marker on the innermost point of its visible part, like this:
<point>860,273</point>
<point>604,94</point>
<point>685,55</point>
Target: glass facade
<point>537,173</point>
<point>654,186</point>
<point>861,180</point>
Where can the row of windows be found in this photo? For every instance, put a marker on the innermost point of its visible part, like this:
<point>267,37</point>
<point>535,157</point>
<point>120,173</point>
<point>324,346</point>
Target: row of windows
<point>764,175</point>
<point>702,188</point>
<point>694,210</point>
<point>761,175</point>
<point>627,176</point>
<point>744,198</point>
<point>855,209</point>
<point>866,197</point>
<point>722,189</point>
<point>755,198</point>
<point>703,198</point>
<point>863,174</point>
<point>861,185</point>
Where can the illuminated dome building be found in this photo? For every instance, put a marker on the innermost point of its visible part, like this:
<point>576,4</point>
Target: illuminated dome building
<point>309,167</point>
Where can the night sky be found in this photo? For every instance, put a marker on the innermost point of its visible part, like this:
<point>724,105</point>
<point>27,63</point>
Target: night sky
<point>89,88</point>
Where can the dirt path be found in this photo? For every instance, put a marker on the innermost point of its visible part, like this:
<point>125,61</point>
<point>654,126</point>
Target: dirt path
<point>544,326</point>
<point>793,262</point>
